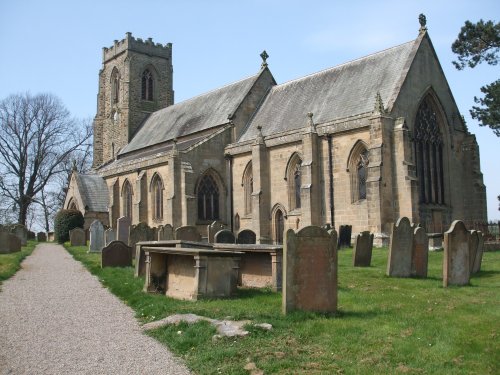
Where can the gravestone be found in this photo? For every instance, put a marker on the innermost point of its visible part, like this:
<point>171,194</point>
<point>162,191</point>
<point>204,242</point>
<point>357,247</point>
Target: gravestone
<point>123,229</point>
<point>310,270</point>
<point>9,243</point>
<point>345,232</point>
<point>473,246</point>
<point>51,236</point>
<point>41,237</point>
<point>165,232</point>
<point>77,237</point>
<point>20,232</point>
<point>31,235</point>
<point>140,232</point>
<point>188,233</point>
<point>96,237</point>
<point>213,228</point>
<point>116,254</point>
<point>224,236</point>
<point>362,252</point>
<point>420,253</point>
<point>456,269</point>
<point>109,236</point>
<point>400,249</point>
<point>479,254</point>
<point>247,236</point>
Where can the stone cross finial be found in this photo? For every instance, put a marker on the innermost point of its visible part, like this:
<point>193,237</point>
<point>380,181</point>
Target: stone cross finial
<point>264,57</point>
<point>379,105</point>
<point>74,168</point>
<point>423,22</point>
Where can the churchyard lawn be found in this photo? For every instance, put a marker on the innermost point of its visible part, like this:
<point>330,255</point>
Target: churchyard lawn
<point>385,325</point>
<point>11,263</point>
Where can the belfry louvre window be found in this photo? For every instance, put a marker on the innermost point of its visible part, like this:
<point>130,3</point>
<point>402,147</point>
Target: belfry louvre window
<point>208,199</point>
<point>147,85</point>
<point>429,154</point>
<point>115,87</point>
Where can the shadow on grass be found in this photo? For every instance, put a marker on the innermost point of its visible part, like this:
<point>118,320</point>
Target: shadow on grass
<point>485,274</point>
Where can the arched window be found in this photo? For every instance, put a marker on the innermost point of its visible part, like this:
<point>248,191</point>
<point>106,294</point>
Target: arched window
<point>429,153</point>
<point>278,217</point>
<point>294,178</point>
<point>147,85</point>
<point>208,199</point>
<point>358,170</point>
<point>248,188</point>
<point>115,87</point>
<point>157,190</point>
<point>127,199</point>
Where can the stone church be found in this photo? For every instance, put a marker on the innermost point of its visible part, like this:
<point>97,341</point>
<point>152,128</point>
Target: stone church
<point>363,144</point>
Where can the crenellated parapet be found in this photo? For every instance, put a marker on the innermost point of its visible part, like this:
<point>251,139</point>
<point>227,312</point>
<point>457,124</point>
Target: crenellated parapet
<point>137,45</point>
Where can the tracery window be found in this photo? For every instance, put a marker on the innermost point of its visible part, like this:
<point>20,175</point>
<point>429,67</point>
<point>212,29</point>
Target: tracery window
<point>248,188</point>
<point>127,199</point>
<point>294,178</point>
<point>208,199</point>
<point>358,170</point>
<point>157,189</point>
<point>147,85</point>
<point>429,154</point>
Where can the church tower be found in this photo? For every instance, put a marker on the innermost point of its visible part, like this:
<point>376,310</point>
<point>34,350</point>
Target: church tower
<point>135,80</point>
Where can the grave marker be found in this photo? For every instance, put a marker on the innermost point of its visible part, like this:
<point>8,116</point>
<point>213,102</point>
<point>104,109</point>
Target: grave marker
<point>362,252</point>
<point>400,249</point>
<point>456,269</point>
<point>96,237</point>
<point>77,237</point>
<point>116,254</point>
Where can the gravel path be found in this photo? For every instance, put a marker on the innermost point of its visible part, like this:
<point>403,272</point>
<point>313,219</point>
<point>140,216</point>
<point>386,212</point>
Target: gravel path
<point>56,318</point>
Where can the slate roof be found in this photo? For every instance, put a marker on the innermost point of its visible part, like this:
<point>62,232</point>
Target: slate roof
<point>342,91</point>
<point>199,113</point>
<point>93,191</point>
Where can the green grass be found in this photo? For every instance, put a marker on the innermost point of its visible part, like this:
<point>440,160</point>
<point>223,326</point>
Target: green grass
<point>11,263</point>
<point>384,325</point>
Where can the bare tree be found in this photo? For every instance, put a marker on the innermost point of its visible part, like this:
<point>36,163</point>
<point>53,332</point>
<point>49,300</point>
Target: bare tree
<point>37,138</point>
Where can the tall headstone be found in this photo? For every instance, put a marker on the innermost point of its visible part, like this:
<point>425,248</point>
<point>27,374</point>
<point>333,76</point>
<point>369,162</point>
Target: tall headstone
<point>479,253</point>
<point>41,237</point>
<point>473,247</point>
<point>214,228</point>
<point>456,269</point>
<point>420,253</point>
<point>20,232</point>
<point>123,229</point>
<point>400,249</point>
<point>188,233</point>
<point>9,243</point>
<point>109,236</point>
<point>345,232</point>
<point>310,270</point>
<point>224,236</point>
<point>140,232</point>
<point>77,237</point>
<point>96,237</point>
<point>116,254</point>
<point>247,236</point>
<point>362,252</point>
<point>165,232</point>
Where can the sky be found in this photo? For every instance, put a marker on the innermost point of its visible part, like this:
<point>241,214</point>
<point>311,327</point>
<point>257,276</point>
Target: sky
<point>55,46</point>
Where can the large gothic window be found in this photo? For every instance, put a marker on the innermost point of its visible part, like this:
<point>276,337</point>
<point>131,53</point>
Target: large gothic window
<point>147,85</point>
<point>429,154</point>
<point>208,199</point>
<point>127,199</point>
<point>248,188</point>
<point>157,189</point>
<point>358,170</point>
<point>294,178</point>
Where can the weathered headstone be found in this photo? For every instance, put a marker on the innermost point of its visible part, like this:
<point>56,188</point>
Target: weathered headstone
<point>473,246</point>
<point>41,237</point>
<point>96,236</point>
<point>213,228</point>
<point>20,232</point>
<point>456,255</point>
<point>310,270</point>
<point>420,253</point>
<point>140,232</point>
<point>123,229</point>
<point>109,236</point>
<point>31,235</point>
<point>188,233</point>
<point>362,252</point>
<point>9,243</point>
<point>165,232</point>
<point>224,236</point>
<point>345,232</point>
<point>400,249</point>
<point>77,237</point>
<point>51,236</point>
<point>247,236</point>
<point>116,254</point>
<point>479,254</point>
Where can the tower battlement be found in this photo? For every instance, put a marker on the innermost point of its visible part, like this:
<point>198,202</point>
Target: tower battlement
<point>138,45</point>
